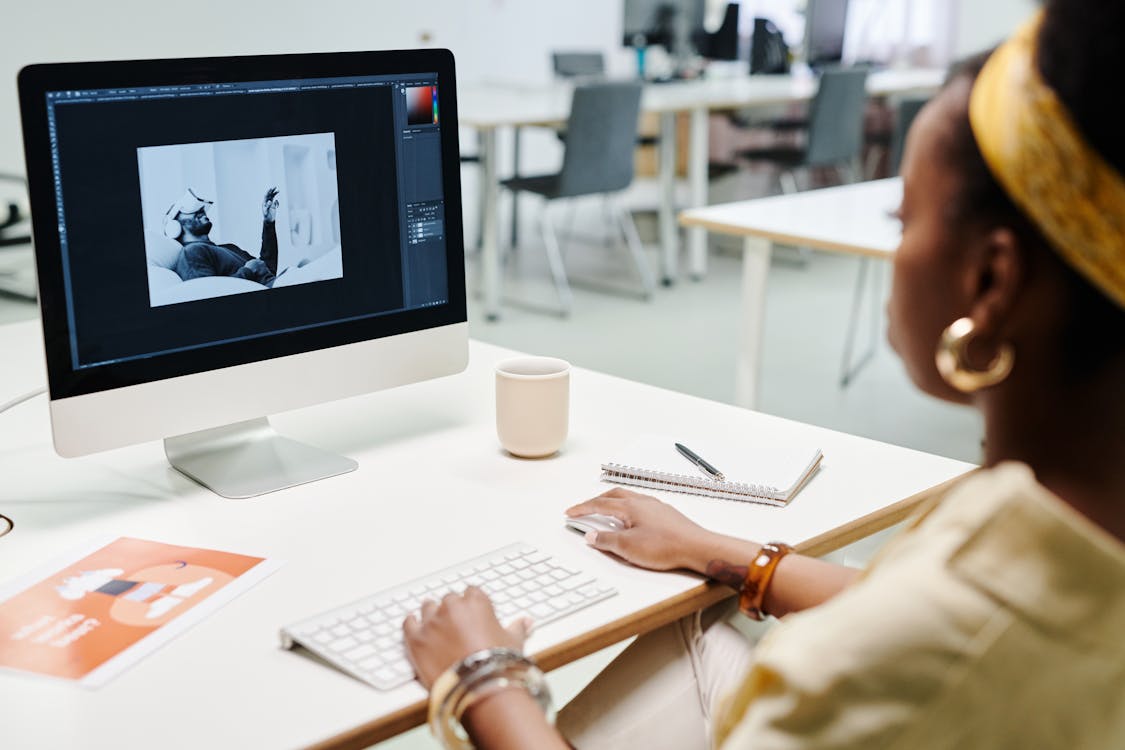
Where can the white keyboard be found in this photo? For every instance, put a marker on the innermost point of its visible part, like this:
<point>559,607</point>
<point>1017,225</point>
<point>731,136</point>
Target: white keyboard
<point>364,638</point>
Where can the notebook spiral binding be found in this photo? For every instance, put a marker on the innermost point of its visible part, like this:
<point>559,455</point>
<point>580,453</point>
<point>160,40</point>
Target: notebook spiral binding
<point>670,481</point>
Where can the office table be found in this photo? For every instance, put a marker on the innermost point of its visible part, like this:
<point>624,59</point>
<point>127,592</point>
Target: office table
<point>433,488</point>
<point>851,219</point>
<point>487,108</point>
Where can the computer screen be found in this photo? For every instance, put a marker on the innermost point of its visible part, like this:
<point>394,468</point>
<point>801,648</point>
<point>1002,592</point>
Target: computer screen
<point>195,216</point>
<point>668,23</point>
<point>824,33</point>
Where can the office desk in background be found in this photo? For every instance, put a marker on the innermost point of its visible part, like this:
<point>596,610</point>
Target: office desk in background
<point>433,488</point>
<point>17,263</point>
<point>851,219</point>
<point>488,108</point>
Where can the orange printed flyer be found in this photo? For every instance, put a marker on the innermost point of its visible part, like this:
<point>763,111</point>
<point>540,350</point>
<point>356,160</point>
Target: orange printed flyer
<point>90,616</point>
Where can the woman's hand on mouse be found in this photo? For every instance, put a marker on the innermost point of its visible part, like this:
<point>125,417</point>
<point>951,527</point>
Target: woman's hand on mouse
<point>443,634</point>
<point>656,535</point>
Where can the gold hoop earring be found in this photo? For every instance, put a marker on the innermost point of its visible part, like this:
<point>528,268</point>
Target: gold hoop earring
<point>954,367</point>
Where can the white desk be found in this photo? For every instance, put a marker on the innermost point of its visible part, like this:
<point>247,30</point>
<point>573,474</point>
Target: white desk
<point>487,108</point>
<point>852,219</point>
<point>432,488</point>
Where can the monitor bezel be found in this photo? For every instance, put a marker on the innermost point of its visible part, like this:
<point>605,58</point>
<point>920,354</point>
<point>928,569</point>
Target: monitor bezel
<point>65,381</point>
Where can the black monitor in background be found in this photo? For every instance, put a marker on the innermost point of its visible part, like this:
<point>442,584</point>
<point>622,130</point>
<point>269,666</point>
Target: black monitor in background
<point>769,54</point>
<point>825,21</point>
<point>721,44</point>
<point>667,23</point>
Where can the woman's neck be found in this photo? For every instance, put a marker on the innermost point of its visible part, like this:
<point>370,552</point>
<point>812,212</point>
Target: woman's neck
<point>1072,435</point>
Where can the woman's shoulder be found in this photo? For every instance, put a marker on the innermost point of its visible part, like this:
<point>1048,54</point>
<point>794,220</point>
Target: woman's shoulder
<point>997,565</point>
<point>1030,551</point>
<point>997,575</point>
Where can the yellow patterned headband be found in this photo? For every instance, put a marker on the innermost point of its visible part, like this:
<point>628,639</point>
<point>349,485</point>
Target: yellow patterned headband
<point>1033,147</point>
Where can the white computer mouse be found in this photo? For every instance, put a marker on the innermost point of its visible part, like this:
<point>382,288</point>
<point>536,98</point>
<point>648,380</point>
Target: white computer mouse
<point>595,522</point>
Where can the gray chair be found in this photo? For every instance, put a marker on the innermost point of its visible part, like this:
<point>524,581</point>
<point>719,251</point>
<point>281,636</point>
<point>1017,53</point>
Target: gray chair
<point>578,64</point>
<point>835,131</point>
<point>907,110</point>
<point>601,133</point>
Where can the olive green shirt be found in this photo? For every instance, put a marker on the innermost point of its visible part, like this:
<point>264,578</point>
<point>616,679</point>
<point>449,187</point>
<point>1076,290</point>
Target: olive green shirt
<point>996,620</point>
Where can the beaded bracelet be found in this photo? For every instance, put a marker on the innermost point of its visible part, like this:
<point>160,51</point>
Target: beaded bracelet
<point>474,678</point>
<point>758,577</point>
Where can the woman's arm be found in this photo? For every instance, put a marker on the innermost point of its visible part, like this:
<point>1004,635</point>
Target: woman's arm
<point>511,720</point>
<point>442,635</point>
<point>659,537</point>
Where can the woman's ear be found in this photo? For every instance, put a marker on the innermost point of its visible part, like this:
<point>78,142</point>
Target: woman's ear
<point>996,279</point>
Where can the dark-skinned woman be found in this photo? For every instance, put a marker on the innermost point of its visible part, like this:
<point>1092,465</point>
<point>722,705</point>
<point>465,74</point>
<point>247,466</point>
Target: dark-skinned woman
<point>996,619</point>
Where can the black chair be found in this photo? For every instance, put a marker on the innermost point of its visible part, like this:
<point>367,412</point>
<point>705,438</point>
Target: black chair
<point>601,133</point>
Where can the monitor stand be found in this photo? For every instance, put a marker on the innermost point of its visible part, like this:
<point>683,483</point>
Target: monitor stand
<point>249,458</point>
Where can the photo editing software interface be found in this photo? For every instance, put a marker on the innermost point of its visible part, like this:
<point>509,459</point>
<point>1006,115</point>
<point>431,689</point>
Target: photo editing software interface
<point>197,215</point>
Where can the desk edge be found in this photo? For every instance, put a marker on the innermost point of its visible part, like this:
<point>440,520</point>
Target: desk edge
<point>735,230</point>
<point>644,621</point>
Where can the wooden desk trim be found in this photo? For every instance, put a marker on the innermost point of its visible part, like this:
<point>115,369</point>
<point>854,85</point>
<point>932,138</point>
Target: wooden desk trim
<point>738,230</point>
<point>648,619</point>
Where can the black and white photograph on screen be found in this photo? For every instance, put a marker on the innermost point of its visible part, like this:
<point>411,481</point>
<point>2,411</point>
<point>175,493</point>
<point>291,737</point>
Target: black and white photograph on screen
<point>228,217</point>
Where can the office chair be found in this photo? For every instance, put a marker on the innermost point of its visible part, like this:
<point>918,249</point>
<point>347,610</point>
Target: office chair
<point>601,132</point>
<point>835,131</point>
<point>578,64</point>
<point>13,212</point>
<point>907,110</point>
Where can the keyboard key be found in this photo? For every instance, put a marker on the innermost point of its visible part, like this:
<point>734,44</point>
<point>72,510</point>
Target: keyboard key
<point>541,610</point>
<point>340,645</point>
<point>360,652</point>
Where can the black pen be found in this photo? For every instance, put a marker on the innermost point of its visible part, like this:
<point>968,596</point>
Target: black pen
<point>690,455</point>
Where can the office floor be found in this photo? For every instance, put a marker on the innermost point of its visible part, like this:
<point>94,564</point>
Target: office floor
<point>683,340</point>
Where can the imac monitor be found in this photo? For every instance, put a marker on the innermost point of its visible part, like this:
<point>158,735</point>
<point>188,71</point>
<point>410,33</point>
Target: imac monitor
<point>221,239</point>
<point>825,21</point>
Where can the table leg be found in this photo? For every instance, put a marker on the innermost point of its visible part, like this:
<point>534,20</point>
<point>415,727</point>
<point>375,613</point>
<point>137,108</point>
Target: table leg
<point>515,193</point>
<point>669,233</point>
<point>755,269</point>
<point>490,225</point>
<point>697,183</point>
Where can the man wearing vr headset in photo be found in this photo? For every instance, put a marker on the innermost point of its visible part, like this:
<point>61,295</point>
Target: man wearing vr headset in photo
<point>188,222</point>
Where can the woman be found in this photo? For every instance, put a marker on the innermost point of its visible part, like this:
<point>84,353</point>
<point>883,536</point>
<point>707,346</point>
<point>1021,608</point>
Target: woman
<point>996,619</point>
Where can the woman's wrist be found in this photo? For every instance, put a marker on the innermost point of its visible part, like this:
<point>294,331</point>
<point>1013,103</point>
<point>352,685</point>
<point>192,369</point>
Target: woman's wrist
<point>709,547</point>
<point>503,707</point>
<point>476,679</point>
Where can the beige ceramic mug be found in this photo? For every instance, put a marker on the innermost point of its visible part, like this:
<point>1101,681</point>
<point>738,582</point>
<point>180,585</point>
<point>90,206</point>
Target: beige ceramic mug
<point>532,405</point>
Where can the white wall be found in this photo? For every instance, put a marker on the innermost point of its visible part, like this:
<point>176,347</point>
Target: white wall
<point>981,24</point>
<point>492,39</point>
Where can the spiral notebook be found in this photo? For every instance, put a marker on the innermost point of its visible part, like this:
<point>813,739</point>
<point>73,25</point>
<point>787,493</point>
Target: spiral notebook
<point>768,472</point>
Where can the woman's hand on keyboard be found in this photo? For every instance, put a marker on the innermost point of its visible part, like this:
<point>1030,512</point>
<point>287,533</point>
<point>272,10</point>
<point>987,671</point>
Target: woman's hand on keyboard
<point>444,634</point>
<point>656,535</point>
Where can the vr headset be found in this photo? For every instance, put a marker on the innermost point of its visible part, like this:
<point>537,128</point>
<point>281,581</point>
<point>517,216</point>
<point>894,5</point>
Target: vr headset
<point>189,203</point>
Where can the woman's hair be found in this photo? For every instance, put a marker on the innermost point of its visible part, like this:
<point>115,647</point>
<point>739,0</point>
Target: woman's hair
<point>1079,58</point>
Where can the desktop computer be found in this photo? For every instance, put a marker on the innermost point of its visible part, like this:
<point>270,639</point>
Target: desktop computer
<point>222,239</point>
<point>723,42</point>
<point>825,24</point>
<point>666,23</point>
